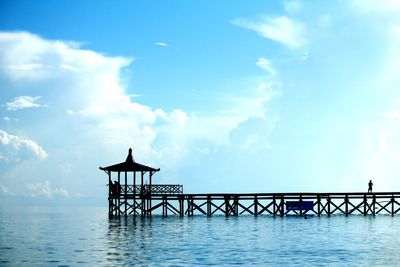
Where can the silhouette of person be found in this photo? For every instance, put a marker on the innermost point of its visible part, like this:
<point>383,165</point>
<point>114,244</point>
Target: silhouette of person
<point>370,184</point>
<point>117,188</point>
<point>112,188</point>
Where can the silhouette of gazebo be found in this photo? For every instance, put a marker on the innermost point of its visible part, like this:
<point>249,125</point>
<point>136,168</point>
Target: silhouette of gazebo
<point>129,165</point>
<point>118,193</point>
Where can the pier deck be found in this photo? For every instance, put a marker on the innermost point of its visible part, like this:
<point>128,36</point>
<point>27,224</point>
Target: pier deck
<point>256,204</point>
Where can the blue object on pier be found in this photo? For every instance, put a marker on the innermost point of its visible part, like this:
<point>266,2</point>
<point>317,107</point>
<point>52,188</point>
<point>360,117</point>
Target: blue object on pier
<point>299,205</point>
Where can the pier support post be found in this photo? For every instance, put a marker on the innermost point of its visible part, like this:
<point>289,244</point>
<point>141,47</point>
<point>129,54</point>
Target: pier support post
<point>319,205</point>
<point>125,194</point>
<point>274,205</point>
<point>208,205</point>
<point>373,204</point>
<point>134,193</point>
<point>282,206</point>
<point>301,204</point>
<point>392,208</point>
<point>236,206</point>
<point>118,195</point>
<point>190,206</point>
<point>227,198</point>
<point>329,205</point>
<point>142,200</point>
<point>346,201</point>
<point>255,206</point>
<point>181,206</point>
<point>365,205</point>
<point>165,209</point>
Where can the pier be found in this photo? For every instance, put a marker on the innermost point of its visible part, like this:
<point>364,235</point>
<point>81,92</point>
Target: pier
<point>129,194</point>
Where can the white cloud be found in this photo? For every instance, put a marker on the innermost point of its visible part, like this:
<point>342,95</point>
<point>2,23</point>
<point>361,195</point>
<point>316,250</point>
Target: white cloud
<point>93,117</point>
<point>15,143</point>
<point>22,102</point>
<point>91,95</point>
<point>29,57</point>
<point>266,65</point>
<point>43,189</point>
<point>281,29</point>
<point>161,44</point>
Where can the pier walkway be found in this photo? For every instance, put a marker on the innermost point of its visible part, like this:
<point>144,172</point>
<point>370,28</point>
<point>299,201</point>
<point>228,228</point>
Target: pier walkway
<point>273,204</point>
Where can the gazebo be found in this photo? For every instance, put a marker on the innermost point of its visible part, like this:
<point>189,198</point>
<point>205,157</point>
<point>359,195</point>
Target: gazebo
<point>131,197</point>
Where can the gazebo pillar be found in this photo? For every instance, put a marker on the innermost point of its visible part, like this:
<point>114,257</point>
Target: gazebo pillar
<point>134,193</point>
<point>118,193</point>
<point>143,204</point>
<point>149,205</point>
<point>126,191</point>
<point>110,200</point>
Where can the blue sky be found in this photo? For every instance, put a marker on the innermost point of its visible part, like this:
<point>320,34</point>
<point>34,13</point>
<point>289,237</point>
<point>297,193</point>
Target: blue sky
<point>267,96</point>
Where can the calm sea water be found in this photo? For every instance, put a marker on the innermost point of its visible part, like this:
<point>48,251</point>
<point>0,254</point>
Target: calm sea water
<point>85,236</point>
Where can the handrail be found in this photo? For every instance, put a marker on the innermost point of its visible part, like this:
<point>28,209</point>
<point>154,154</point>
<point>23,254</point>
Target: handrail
<point>153,189</point>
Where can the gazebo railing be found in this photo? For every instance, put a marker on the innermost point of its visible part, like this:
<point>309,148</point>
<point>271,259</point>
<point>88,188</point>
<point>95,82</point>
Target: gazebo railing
<point>153,189</point>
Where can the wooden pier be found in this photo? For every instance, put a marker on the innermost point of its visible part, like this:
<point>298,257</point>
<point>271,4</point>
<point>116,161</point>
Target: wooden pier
<point>147,199</point>
<point>273,204</point>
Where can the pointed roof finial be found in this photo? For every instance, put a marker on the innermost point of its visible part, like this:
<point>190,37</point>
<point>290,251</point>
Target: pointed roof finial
<point>129,166</point>
<point>129,158</point>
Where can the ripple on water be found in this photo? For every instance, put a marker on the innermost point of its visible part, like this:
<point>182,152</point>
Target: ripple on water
<point>96,240</point>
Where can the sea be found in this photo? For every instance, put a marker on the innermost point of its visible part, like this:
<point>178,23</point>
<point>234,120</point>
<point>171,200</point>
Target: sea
<point>67,236</point>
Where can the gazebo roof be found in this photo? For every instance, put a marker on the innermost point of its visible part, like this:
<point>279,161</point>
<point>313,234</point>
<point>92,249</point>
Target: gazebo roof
<point>129,166</point>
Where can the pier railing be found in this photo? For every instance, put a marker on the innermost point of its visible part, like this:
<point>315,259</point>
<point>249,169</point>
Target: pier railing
<point>161,189</point>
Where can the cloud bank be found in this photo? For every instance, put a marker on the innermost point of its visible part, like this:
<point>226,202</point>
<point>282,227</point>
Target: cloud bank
<point>14,144</point>
<point>91,118</point>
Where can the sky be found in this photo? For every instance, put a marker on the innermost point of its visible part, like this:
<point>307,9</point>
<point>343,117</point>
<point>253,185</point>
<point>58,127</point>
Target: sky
<point>223,96</point>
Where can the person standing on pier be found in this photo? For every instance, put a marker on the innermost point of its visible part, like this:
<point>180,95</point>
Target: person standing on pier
<point>370,184</point>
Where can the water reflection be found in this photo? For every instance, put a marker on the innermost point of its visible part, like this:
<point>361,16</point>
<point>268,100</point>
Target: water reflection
<point>128,238</point>
<point>245,240</point>
<point>87,237</point>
